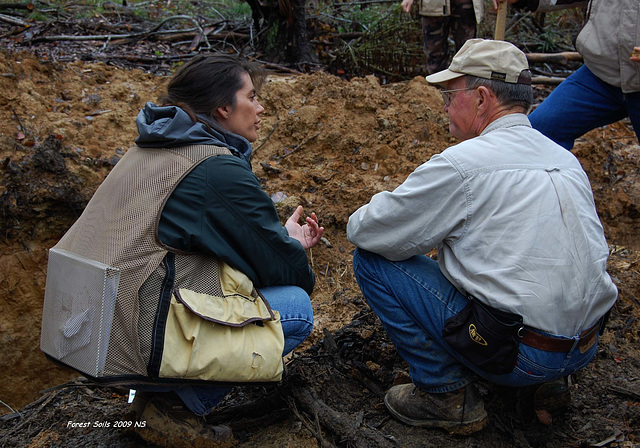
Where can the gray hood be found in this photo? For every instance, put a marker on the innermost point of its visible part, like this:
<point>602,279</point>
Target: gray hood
<point>170,127</point>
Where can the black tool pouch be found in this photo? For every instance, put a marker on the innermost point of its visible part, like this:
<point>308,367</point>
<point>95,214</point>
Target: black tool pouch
<point>486,337</point>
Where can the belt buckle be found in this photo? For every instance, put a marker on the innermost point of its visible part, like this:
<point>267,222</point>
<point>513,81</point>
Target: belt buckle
<point>588,343</point>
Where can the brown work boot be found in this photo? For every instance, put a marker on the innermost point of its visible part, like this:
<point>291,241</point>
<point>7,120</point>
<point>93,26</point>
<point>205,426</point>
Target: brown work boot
<point>461,411</point>
<point>164,421</point>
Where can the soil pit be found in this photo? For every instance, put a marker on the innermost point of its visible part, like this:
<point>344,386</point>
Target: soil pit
<point>328,144</point>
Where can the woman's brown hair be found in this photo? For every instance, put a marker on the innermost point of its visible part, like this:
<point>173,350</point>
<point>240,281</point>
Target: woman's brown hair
<point>208,82</point>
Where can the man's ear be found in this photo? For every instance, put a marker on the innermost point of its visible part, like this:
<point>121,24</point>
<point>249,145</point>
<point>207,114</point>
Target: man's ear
<point>484,97</point>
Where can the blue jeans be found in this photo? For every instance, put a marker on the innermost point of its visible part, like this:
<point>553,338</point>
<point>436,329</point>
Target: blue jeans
<point>581,103</point>
<point>296,316</point>
<point>413,299</point>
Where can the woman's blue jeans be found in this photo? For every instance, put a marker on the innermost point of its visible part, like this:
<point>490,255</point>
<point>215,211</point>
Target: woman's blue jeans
<point>414,299</point>
<point>296,316</point>
<point>581,103</point>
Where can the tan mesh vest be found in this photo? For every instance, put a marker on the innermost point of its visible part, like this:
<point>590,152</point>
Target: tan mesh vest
<point>119,228</point>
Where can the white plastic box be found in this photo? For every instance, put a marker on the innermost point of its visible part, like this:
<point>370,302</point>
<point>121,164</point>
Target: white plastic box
<point>79,303</point>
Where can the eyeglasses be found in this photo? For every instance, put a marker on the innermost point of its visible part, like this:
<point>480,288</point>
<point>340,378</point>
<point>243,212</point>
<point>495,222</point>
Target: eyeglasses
<point>446,94</point>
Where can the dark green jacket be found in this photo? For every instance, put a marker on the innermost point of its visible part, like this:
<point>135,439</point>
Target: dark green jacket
<point>220,209</point>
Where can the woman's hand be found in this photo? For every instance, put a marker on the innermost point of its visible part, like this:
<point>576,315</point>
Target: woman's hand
<point>635,54</point>
<point>406,5</point>
<point>308,234</point>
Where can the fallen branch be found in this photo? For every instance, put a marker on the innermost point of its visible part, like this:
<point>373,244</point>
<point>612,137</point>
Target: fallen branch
<point>547,80</point>
<point>12,20</point>
<point>272,401</point>
<point>109,57</point>
<point>191,19</point>
<point>635,396</point>
<point>15,114</point>
<point>196,38</point>
<point>34,414</point>
<point>300,145</point>
<point>554,58</point>
<point>349,36</point>
<point>13,411</point>
<point>98,112</point>
<point>314,430</point>
<point>269,135</point>
<point>128,58</point>
<point>141,35</point>
<point>281,68</point>
<point>339,423</point>
<point>29,6</point>
<point>552,74</point>
<point>618,436</point>
<point>64,37</point>
<point>184,35</point>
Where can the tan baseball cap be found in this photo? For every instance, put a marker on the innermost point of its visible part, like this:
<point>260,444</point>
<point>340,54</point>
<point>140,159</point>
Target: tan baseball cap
<point>489,59</point>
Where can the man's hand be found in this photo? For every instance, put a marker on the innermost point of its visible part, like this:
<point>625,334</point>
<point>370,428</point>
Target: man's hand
<point>406,5</point>
<point>635,54</point>
<point>309,234</point>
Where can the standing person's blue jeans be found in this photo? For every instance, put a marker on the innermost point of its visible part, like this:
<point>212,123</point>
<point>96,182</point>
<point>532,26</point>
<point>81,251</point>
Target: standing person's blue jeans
<point>296,316</point>
<point>414,299</point>
<point>581,103</point>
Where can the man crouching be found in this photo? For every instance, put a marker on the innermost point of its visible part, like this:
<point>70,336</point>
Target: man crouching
<point>519,290</point>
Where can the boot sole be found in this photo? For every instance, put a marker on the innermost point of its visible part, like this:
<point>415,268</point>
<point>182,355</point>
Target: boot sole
<point>453,427</point>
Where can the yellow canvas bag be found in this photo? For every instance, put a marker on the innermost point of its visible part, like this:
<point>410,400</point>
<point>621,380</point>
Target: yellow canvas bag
<point>235,337</point>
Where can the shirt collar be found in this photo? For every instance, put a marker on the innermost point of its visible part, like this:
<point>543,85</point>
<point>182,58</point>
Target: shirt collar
<point>507,121</point>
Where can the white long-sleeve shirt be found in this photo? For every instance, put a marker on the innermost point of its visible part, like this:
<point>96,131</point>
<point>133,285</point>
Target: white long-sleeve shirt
<point>513,218</point>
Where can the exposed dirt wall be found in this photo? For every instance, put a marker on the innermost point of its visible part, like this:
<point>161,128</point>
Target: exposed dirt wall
<point>326,143</point>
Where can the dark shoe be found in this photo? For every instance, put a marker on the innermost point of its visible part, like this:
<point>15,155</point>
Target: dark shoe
<point>551,398</point>
<point>163,420</point>
<point>461,411</point>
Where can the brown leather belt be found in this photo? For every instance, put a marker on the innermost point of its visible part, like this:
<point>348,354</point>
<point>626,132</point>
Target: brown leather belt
<point>550,344</point>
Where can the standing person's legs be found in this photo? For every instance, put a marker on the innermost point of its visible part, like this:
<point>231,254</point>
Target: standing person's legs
<point>464,21</point>
<point>435,34</point>
<point>579,104</point>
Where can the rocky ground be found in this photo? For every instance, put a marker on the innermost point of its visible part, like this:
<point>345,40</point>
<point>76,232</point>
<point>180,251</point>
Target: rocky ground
<point>328,144</point>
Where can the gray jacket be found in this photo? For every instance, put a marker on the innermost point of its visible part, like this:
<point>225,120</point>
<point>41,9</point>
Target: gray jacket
<point>607,39</point>
<point>439,8</point>
<point>513,218</point>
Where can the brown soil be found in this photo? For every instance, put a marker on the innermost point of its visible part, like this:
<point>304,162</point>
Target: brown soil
<point>328,144</point>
